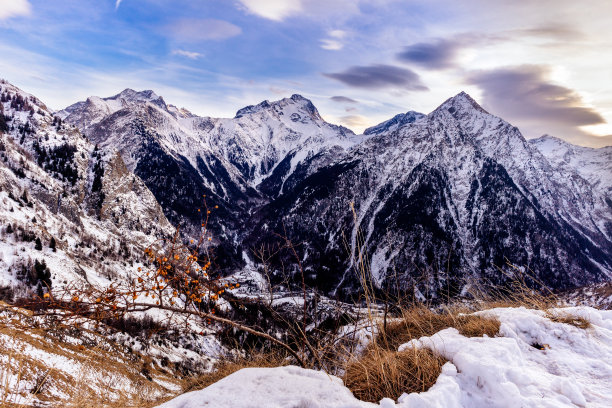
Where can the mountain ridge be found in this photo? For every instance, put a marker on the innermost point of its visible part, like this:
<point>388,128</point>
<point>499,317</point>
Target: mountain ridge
<point>457,185</point>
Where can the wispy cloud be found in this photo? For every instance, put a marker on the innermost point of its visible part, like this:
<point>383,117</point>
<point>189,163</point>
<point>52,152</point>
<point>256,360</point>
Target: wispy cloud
<point>438,54</point>
<point>279,10</point>
<point>195,30</point>
<point>343,99</point>
<point>557,31</point>
<point>279,91</point>
<point>273,9</point>
<point>527,92</point>
<point>331,45</point>
<point>14,8</point>
<point>379,76</point>
<point>117,4</point>
<point>334,42</point>
<point>188,54</point>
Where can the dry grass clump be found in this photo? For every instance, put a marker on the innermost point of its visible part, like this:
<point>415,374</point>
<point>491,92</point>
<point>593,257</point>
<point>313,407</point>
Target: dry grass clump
<point>560,317</point>
<point>384,373</point>
<point>420,321</point>
<point>227,367</point>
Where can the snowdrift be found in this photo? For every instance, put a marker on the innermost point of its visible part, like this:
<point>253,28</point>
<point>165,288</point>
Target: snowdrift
<point>533,362</point>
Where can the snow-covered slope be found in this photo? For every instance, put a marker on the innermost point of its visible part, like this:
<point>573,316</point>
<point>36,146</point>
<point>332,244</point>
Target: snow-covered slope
<point>446,199</point>
<point>56,186</point>
<point>533,362</point>
<point>73,215</point>
<point>394,123</point>
<point>594,165</point>
<point>236,163</point>
<point>441,199</point>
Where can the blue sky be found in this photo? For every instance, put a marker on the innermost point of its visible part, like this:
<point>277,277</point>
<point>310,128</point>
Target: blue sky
<point>543,65</point>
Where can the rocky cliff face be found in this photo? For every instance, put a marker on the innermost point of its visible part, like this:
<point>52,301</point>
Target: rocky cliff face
<point>442,201</point>
<point>435,201</point>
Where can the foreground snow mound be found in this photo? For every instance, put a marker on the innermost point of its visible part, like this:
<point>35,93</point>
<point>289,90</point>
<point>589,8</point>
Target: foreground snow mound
<point>282,387</point>
<point>535,362</point>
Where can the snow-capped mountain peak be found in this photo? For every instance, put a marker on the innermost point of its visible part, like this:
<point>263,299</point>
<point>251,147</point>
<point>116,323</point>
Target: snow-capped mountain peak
<point>296,107</point>
<point>131,94</point>
<point>461,103</point>
<point>394,123</point>
<point>129,97</point>
<point>87,113</point>
<point>474,172</point>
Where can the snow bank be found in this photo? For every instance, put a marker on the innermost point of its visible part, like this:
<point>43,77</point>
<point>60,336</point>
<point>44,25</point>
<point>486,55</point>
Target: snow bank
<point>281,387</point>
<point>535,362</point>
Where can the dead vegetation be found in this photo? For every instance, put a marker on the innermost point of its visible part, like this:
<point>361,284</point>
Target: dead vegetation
<point>381,373</point>
<point>562,317</point>
<point>54,366</point>
<point>419,321</point>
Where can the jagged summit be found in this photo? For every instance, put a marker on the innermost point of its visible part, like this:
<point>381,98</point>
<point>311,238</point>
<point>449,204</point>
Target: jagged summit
<point>462,102</point>
<point>295,103</point>
<point>394,123</point>
<point>591,163</point>
<point>95,108</point>
<point>180,112</point>
<point>129,96</point>
<point>132,95</point>
<point>546,138</point>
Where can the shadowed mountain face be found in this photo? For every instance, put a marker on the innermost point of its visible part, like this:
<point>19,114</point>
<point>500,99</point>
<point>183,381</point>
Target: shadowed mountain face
<point>435,201</point>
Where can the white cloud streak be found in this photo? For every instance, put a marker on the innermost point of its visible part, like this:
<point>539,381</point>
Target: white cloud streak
<point>334,43</point>
<point>280,10</point>
<point>14,8</point>
<point>188,54</point>
<point>195,30</point>
<point>276,10</point>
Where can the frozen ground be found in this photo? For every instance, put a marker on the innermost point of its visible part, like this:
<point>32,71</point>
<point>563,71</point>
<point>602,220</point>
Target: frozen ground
<point>533,362</point>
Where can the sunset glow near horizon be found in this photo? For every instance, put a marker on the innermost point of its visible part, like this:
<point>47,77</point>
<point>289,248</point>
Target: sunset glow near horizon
<point>542,65</point>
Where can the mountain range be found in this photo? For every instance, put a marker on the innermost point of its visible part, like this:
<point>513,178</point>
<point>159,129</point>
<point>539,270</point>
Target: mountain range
<point>430,204</point>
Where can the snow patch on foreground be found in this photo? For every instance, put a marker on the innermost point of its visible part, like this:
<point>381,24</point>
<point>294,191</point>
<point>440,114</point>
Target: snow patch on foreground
<point>574,369</point>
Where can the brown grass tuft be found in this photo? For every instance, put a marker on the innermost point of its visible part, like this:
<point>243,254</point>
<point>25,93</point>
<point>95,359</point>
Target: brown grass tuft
<point>384,373</point>
<point>561,317</point>
<point>418,321</point>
